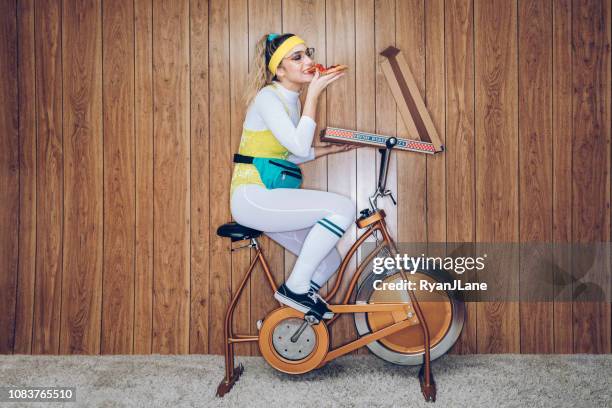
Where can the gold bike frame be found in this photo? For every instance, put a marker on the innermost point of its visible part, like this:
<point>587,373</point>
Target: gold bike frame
<point>373,223</point>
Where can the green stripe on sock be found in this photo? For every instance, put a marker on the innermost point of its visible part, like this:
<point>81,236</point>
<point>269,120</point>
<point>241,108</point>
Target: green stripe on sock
<point>314,285</point>
<point>330,229</point>
<point>334,226</point>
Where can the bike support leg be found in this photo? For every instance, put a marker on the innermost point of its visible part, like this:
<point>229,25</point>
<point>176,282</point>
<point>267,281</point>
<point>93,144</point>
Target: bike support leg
<point>233,373</point>
<point>428,385</point>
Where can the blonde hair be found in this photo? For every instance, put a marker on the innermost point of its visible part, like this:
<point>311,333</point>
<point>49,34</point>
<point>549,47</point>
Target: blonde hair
<point>259,75</point>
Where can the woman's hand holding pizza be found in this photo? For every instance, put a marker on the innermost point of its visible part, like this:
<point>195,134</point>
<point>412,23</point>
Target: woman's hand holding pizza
<point>320,82</point>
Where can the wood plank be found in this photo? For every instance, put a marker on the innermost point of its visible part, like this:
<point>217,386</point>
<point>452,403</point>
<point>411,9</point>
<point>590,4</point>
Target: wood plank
<point>83,177</point>
<point>340,31</point>
<point>365,100</point>
<point>24,310</point>
<point>384,110</point>
<point>365,105</point>
<point>171,258</point>
<point>307,19</point>
<point>9,174</point>
<point>239,69</point>
<point>460,161</point>
<point>562,172</point>
<point>220,171</point>
<point>384,36</point>
<point>411,222</point>
<point>143,123</point>
<point>535,174</point>
<point>264,18</point>
<point>119,177</point>
<point>497,185</point>
<point>200,189</point>
<point>591,170</point>
<point>435,97</point>
<point>50,180</point>
<point>435,101</point>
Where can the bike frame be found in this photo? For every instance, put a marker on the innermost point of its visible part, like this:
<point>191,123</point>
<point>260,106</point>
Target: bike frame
<point>375,222</point>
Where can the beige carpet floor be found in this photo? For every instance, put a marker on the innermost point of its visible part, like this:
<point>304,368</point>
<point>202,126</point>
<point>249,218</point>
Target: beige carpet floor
<point>352,381</point>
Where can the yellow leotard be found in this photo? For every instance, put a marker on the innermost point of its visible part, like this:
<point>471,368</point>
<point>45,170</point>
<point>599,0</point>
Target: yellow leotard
<point>257,143</point>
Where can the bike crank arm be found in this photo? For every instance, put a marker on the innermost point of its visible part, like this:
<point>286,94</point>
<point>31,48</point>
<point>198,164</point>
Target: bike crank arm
<point>308,320</point>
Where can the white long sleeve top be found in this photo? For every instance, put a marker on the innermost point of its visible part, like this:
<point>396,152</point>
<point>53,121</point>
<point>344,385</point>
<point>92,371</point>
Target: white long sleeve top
<point>293,131</point>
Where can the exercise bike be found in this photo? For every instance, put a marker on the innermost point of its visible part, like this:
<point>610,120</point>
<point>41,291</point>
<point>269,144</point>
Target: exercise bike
<point>405,327</point>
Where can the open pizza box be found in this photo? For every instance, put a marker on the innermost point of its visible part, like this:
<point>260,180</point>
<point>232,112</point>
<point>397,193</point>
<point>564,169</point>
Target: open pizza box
<point>410,105</point>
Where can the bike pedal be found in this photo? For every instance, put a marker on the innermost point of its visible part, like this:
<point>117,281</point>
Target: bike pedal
<point>311,319</point>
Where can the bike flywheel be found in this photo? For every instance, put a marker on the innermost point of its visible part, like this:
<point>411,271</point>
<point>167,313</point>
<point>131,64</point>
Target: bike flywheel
<point>282,352</point>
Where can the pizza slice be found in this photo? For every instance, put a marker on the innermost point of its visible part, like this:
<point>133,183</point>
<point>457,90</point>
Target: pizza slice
<point>326,71</point>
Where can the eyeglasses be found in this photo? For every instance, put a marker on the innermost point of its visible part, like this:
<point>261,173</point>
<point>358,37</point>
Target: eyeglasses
<point>299,55</point>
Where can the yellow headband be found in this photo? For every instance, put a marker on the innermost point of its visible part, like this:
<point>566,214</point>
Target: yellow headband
<point>281,51</point>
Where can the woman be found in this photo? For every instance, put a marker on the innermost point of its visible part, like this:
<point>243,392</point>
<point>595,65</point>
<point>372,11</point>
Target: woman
<point>308,223</point>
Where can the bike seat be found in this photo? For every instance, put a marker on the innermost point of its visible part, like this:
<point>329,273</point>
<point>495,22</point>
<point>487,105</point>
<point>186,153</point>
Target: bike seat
<point>237,232</point>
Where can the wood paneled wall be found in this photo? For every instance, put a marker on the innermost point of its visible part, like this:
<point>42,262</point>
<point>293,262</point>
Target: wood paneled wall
<point>118,120</point>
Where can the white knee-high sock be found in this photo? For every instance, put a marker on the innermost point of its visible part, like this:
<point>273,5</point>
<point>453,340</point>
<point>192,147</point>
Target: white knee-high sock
<point>326,269</point>
<point>320,240</point>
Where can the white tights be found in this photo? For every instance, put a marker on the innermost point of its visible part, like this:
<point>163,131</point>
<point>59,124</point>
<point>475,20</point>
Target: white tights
<point>308,223</point>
